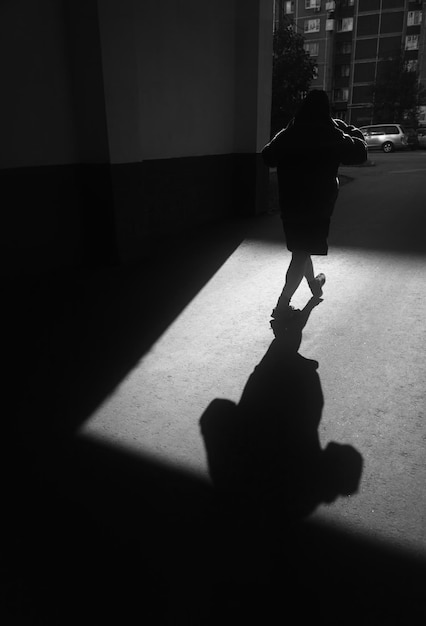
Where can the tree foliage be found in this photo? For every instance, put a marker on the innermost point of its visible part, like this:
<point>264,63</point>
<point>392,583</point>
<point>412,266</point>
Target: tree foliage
<point>396,93</point>
<point>292,73</point>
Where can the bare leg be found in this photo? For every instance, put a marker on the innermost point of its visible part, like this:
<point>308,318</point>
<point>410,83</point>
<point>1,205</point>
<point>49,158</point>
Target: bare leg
<point>295,273</point>
<point>309,270</point>
<point>315,282</point>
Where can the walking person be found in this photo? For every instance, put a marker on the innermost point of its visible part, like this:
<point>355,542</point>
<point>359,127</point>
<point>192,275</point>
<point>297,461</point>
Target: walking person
<point>307,154</point>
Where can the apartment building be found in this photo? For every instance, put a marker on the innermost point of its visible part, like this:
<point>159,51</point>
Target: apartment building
<point>349,38</point>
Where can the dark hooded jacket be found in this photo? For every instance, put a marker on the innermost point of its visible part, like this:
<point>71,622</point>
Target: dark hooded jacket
<point>307,154</point>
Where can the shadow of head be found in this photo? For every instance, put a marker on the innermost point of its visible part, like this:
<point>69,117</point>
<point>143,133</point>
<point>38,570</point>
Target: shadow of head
<point>267,447</point>
<point>341,470</point>
<point>290,477</point>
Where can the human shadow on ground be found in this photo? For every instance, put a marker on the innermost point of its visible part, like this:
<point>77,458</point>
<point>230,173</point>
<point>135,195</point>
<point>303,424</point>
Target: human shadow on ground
<point>95,534</point>
<point>267,449</point>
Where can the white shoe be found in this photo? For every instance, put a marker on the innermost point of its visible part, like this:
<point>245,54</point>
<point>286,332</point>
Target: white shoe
<point>316,285</point>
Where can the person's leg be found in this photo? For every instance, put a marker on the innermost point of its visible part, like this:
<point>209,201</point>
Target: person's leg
<point>315,282</point>
<point>309,270</point>
<point>294,276</point>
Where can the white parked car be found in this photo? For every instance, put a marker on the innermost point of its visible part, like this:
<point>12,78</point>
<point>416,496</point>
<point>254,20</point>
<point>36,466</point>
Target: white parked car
<point>386,137</point>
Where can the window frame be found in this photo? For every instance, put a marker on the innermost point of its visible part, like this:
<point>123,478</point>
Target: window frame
<point>344,47</point>
<point>310,44</point>
<point>413,38</point>
<point>344,91</point>
<point>413,21</point>
<point>411,65</point>
<point>340,23</point>
<point>309,21</point>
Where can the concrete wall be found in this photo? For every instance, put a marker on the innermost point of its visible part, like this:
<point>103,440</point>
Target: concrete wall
<point>148,115</point>
<point>187,94</point>
<point>169,78</point>
<point>192,80</point>
<point>36,111</point>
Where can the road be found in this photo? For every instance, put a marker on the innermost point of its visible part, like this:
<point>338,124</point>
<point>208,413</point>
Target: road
<point>395,188</point>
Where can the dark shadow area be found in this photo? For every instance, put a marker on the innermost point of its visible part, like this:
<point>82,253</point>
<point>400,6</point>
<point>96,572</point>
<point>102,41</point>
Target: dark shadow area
<point>92,535</point>
<point>266,449</point>
<point>70,337</point>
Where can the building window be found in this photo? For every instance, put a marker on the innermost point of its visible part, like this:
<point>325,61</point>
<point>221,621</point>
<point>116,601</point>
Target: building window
<point>412,42</point>
<point>341,95</point>
<point>343,70</point>
<point>289,7</point>
<point>312,48</point>
<point>345,24</point>
<point>411,65</point>
<point>414,18</point>
<point>344,47</point>
<point>312,26</point>
<point>341,115</point>
<point>315,72</point>
<point>312,4</point>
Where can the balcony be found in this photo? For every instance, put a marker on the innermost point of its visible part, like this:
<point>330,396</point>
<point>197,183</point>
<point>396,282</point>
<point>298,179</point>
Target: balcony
<point>340,95</point>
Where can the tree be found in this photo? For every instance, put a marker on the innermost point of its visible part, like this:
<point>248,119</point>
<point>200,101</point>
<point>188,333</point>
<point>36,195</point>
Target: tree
<point>396,93</point>
<point>292,73</point>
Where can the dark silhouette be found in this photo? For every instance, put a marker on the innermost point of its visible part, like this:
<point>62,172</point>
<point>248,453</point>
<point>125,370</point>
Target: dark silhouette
<point>267,447</point>
<point>307,154</point>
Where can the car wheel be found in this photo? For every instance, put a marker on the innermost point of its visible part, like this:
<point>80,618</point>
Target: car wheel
<point>387,146</point>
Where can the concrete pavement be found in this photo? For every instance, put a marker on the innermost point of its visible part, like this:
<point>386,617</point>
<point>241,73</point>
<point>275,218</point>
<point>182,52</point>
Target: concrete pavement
<point>138,358</point>
<point>368,336</point>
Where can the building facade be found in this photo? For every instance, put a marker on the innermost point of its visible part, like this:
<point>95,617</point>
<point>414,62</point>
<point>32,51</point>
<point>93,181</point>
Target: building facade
<point>128,123</point>
<point>349,39</point>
